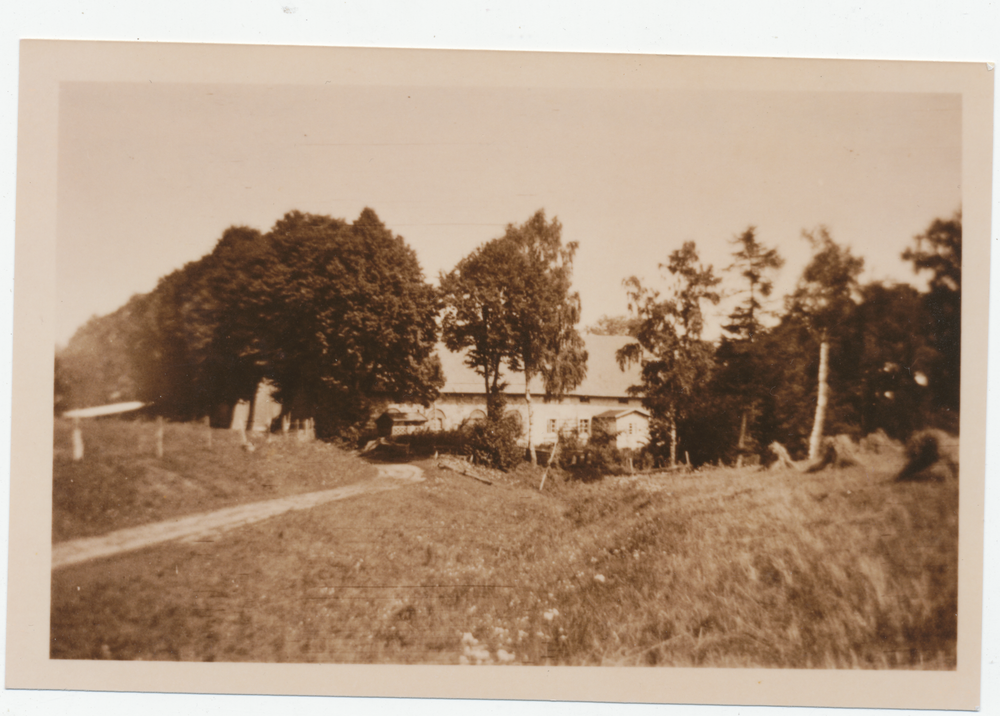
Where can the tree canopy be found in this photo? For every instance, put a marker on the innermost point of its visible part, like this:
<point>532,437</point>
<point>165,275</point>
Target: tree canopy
<point>739,354</point>
<point>675,361</point>
<point>350,318</point>
<point>939,251</point>
<point>510,303</point>
<point>337,315</point>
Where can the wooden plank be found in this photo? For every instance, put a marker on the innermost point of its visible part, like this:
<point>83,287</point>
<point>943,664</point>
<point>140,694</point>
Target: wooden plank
<point>97,411</point>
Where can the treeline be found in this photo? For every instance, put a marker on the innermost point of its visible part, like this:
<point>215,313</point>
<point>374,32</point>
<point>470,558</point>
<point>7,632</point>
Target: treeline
<point>839,357</point>
<point>336,315</point>
<point>339,317</point>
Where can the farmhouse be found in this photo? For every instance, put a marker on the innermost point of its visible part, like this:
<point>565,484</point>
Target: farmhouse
<point>601,399</point>
<point>602,396</point>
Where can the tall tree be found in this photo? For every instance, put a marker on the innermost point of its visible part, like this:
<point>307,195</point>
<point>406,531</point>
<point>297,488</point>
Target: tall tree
<point>891,346</point>
<point>100,363</point>
<point>939,251</point>
<point>674,359</point>
<point>350,318</point>
<point>543,310</point>
<point>510,303</point>
<point>755,264</point>
<point>824,297</point>
<point>477,295</point>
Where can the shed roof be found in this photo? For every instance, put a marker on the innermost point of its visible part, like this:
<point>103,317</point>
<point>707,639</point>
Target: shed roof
<point>615,414</point>
<point>604,378</point>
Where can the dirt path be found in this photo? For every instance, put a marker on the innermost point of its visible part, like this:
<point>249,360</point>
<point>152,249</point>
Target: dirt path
<point>207,525</point>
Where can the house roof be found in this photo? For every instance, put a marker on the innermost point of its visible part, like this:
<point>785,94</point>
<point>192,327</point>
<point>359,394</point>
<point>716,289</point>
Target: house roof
<point>609,414</point>
<point>604,378</point>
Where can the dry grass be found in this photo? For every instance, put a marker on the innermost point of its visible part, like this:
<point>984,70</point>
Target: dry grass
<point>121,483</point>
<point>837,569</point>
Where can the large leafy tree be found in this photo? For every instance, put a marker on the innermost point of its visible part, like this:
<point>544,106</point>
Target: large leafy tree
<point>890,346</point>
<point>543,310</point>
<point>510,303</point>
<point>823,300</point>
<point>205,346</point>
<point>739,353</point>
<point>477,296</point>
<point>101,363</point>
<point>675,361</point>
<point>939,251</point>
<point>338,315</point>
<point>349,320</point>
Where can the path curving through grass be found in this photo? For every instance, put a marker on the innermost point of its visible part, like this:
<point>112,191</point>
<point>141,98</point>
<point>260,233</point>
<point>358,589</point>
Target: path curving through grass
<point>207,526</point>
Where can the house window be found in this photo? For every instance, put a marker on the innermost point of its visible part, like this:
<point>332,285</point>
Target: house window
<point>584,426</point>
<point>551,425</point>
<point>584,398</point>
<point>623,401</point>
<point>630,428</point>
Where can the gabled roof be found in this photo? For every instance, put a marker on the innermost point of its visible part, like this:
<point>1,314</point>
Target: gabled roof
<point>615,414</point>
<point>604,378</point>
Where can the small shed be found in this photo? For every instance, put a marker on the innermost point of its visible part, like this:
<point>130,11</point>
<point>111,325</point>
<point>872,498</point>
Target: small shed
<point>631,425</point>
<point>393,422</point>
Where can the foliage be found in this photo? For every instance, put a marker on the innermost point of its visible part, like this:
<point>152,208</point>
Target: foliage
<point>601,454</point>
<point>823,299</point>
<point>753,262</point>
<point>593,459</point>
<point>101,363</point>
<point>353,318</point>
<point>510,303</point>
<point>828,287</point>
<point>337,315</point>
<point>543,310</point>
<point>614,326</point>
<point>476,298</point>
<point>939,250</point>
<point>675,361</point>
<point>739,356</point>
<point>890,344</point>
<point>494,443</point>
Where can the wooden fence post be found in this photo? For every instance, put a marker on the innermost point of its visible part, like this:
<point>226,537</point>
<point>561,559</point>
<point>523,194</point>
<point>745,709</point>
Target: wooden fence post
<point>159,436</point>
<point>552,455</point>
<point>77,440</point>
<point>208,431</point>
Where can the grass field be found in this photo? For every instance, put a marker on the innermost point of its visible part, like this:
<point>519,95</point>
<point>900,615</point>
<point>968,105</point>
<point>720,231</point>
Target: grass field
<point>121,483</point>
<point>837,569</point>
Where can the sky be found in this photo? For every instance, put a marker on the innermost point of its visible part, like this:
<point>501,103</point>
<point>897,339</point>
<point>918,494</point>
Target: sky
<point>150,175</point>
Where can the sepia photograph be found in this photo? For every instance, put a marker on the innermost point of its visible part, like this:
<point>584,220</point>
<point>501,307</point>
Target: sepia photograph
<point>568,367</point>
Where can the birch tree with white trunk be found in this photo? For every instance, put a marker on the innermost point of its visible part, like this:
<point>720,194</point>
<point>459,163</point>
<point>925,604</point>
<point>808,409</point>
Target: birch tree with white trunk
<point>825,295</point>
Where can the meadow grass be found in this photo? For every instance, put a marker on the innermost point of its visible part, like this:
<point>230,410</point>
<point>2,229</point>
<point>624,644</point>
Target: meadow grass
<point>724,567</point>
<point>121,483</point>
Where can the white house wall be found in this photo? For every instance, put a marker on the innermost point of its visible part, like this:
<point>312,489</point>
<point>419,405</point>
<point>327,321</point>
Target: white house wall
<point>548,418</point>
<point>633,431</point>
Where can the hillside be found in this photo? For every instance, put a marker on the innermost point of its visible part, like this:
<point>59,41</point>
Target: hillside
<point>720,567</point>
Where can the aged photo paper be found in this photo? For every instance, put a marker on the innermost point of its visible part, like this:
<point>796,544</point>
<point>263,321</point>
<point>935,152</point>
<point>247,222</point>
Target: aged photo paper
<point>133,161</point>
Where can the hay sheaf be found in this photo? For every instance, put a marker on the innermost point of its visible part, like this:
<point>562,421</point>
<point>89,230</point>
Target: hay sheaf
<point>931,456</point>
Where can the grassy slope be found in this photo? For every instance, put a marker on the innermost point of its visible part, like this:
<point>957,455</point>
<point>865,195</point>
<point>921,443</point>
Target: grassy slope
<point>120,483</point>
<point>723,568</point>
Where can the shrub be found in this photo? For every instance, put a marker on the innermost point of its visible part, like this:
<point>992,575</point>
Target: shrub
<point>494,443</point>
<point>599,457</point>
